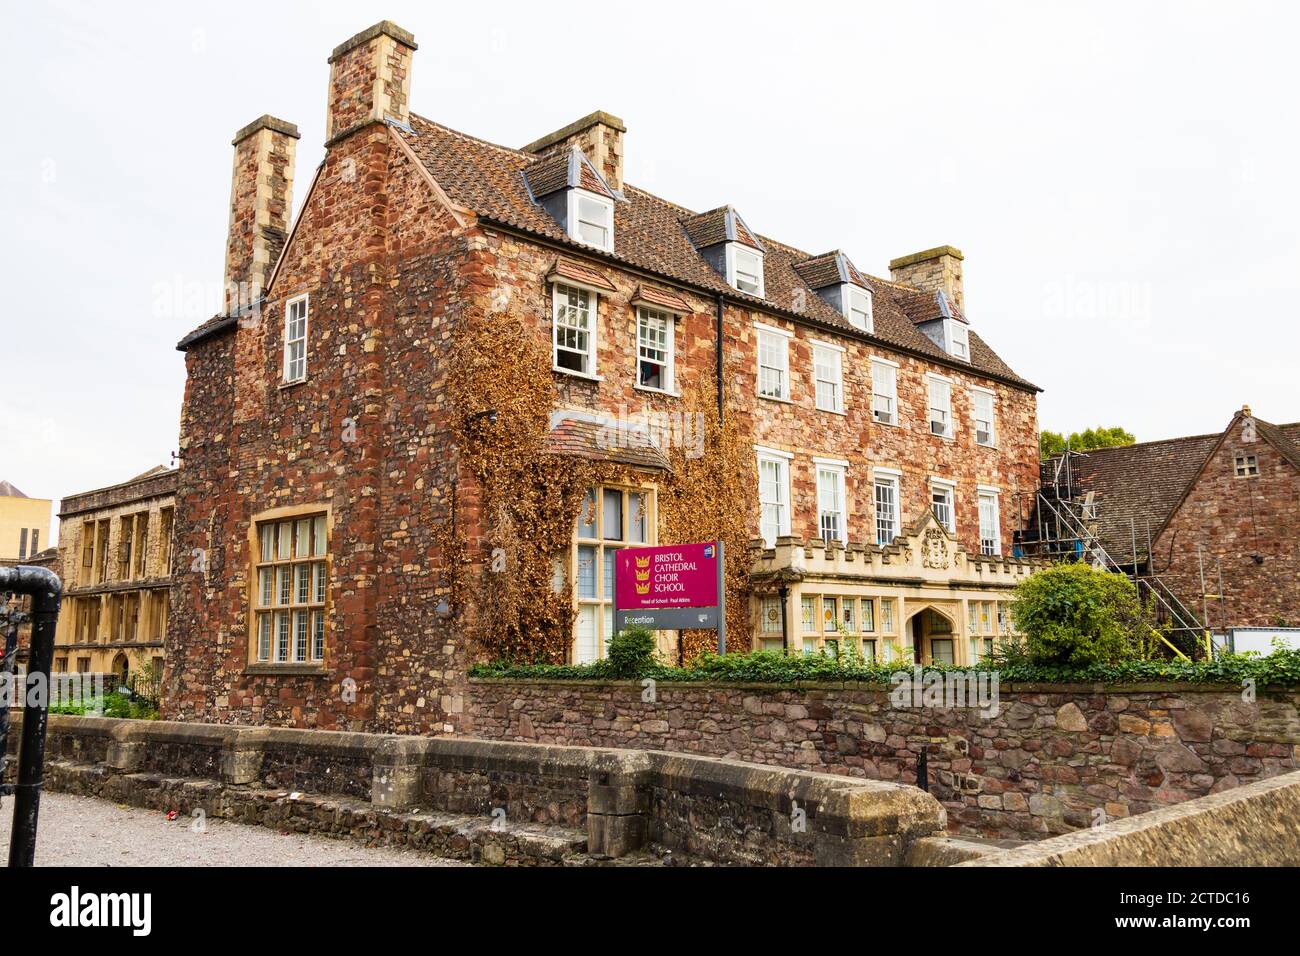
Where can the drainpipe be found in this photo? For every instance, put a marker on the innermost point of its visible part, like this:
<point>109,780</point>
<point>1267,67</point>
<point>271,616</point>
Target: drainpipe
<point>717,356</point>
<point>785,624</point>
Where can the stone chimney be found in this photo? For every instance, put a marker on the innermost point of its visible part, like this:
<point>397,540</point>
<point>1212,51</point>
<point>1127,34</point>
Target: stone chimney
<point>370,80</point>
<point>599,135</point>
<point>932,270</point>
<point>261,199</point>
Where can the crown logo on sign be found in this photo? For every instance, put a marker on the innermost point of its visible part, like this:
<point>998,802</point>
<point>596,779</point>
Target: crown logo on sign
<point>642,575</point>
<point>643,588</point>
<point>642,562</point>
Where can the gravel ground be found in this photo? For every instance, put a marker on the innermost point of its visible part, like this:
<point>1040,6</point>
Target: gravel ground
<point>85,831</point>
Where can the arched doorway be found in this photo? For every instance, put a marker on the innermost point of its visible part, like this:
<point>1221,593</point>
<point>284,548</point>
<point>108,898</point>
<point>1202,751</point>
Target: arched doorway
<point>120,669</point>
<point>933,633</point>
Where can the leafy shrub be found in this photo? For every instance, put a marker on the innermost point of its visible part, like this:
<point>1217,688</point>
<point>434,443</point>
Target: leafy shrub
<point>110,705</point>
<point>1281,668</point>
<point>1073,614</point>
<point>631,653</point>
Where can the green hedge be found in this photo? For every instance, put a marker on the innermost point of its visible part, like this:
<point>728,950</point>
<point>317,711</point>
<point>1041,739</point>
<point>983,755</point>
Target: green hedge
<point>1281,667</point>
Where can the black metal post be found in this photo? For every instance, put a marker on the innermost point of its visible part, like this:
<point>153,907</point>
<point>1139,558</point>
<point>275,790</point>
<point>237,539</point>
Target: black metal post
<point>923,769</point>
<point>46,591</point>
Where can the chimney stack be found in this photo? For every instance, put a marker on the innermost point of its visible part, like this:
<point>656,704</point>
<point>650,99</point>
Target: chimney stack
<point>261,199</point>
<point>370,80</point>
<point>599,135</point>
<point>933,270</point>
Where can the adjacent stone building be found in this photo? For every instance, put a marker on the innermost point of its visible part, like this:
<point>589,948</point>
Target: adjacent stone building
<point>115,551</point>
<point>1216,517</point>
<point>442,397</point>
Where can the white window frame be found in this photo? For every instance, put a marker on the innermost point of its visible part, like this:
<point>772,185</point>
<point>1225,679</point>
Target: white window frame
<point>958,335</point>
<point>597,608</point>
<point>978,394</point>
<point>990,545</point>
<point>931,381</point>
<point>576,197</point>
<point>781,460</point>
<point>949,489</point>
<point>839,468</point>
<point>593,311</point>
<point>846,297</point>
<point>891,395</point>
<point>893,479</point>
<point>301,340</point>
<point>830,356</point>
<point>1245,466</point>
<point>773,334</point>
<point>736,249</point>
<point>668,374</point>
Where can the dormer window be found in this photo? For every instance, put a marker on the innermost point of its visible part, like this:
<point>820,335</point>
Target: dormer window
<point>591,219</point>
<point>568,187</point>
<point>745,269</point>
<point>958,339</point>
<point>729,247</point>
<point>857,307</point>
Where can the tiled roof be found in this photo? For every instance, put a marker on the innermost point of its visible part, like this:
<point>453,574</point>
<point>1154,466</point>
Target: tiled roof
<point>661,298</point>
<point>831,268</point>
<point>719,225</point>
<point>1137,486</point>
<point>563,170</point>
<point>580,273</point>
<point>582,438</point>
<point>650,235</point>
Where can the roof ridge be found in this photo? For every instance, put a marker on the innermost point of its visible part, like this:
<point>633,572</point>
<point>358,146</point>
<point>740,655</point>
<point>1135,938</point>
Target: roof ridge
<point>1151,441</point>
<point>690,213</point>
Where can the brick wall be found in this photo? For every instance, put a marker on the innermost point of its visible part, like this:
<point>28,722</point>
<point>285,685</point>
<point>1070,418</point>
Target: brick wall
<point>1054,759</point>
<point>1244,526</point>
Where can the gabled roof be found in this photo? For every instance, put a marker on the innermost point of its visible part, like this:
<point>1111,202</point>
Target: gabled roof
<point>650,236</point>
<point>9,491</point>
<point>719,225</point>
<point>1137,487</point>
<point>565,170</point>
<point>830,268</point>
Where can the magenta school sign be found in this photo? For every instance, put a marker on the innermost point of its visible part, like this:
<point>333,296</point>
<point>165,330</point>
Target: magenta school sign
<point>671,587</point>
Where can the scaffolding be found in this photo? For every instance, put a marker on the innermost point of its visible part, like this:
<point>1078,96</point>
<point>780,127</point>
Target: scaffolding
<point>1060,525</point>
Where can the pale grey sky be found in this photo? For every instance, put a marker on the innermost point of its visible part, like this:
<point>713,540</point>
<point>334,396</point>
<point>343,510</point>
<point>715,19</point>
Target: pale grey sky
<point>1120,177</point>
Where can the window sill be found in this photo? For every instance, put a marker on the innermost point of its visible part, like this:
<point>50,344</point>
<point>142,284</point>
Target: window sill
<point>776,398</point>
<point>832,411</point>
<point>657,391</point>
<point>296,382</point>
<point>893,424</point>
<point>981,444</point>
<point>586,376</point>
<point>288,670</point>
<point>943,437</point>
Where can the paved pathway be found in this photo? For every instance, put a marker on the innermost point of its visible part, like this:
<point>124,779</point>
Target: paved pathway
<point>85,831</point>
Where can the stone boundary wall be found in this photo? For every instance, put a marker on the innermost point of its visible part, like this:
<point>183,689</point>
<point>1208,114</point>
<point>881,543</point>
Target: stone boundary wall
<point>1055,758</point>
<point>1250,825</point>
<point>392,789</point>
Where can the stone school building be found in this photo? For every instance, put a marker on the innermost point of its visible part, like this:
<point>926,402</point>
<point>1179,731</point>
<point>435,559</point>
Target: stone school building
<point>861,447</point>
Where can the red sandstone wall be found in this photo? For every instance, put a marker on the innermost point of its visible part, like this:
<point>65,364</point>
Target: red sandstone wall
<point>1232,520</point>
<point>375,254</point>
<point>798,426</point>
